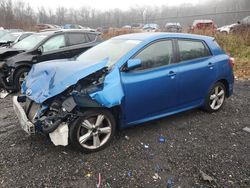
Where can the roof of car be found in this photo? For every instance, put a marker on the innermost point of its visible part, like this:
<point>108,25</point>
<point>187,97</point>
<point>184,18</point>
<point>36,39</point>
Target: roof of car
<point>202,22</point>
<point>51,32</point>
<point>158,35</point>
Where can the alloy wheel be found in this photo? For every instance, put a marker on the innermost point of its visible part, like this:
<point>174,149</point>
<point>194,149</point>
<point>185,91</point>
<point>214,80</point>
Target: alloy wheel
<point>94,131</point>
<point>217,97</point>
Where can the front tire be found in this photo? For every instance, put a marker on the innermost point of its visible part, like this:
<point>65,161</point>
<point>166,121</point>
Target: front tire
<point>215,98</point>
<point>20,76</point>
<point>93,131</point>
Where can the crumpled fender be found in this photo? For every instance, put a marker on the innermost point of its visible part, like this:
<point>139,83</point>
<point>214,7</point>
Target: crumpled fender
<point>112,93</point>
<point>48,79</point>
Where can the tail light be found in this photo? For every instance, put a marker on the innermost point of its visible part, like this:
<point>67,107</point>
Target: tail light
<point>231,61</point>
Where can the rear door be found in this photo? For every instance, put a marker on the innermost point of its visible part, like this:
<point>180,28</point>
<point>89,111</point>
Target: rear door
<point>196,71</point>
<point>152,89</point>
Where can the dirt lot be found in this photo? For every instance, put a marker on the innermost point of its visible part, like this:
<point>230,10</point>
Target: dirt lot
<point>196,142</point>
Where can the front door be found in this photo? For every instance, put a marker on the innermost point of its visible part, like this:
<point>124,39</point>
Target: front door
<point>152,89</point>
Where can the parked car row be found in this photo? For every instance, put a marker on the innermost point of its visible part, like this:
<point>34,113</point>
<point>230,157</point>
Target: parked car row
<point>197,25</point>
<point>85,91</point>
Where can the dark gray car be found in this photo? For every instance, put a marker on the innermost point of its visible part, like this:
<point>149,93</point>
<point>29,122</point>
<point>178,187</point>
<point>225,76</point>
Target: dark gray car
<point>16,62</point>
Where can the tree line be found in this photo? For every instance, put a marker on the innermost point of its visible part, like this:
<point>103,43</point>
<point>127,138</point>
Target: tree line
<point>18,14</point>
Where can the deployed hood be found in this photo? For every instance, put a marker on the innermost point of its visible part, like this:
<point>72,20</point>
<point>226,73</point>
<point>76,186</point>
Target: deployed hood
<point>9,52</point>
<point>48,79</point>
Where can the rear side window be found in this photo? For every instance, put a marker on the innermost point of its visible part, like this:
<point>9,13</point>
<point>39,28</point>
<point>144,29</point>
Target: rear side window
<point>77,38</point>
<point>191,49</point>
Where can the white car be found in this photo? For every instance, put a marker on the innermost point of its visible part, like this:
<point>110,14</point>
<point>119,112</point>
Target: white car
<point>227,28</point>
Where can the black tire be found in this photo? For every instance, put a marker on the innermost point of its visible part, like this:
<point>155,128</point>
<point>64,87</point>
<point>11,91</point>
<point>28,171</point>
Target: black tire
<point>17,76</point>
<point>76,129</point>
<point>208,101</point>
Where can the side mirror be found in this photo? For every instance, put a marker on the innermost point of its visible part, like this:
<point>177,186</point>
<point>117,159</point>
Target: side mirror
<point>133,63</point>
<point>39,50</point>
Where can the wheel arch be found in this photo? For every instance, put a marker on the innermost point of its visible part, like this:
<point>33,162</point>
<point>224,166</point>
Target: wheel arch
<point>226,84</point>
<point>20,66</point>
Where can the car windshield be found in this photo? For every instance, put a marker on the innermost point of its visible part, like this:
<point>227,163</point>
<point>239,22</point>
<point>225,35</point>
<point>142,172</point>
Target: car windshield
<point>30,42</point>
<point>10,37</point>
<point>2,33</point>
<point>112,50</point>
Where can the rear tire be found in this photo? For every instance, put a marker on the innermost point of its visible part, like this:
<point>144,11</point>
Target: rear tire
<point>93,131</point>
<point>20,76</point>
<point>215,98</point>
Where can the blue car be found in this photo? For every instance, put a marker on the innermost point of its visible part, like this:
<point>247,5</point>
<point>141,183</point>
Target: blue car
<point>122,82</point>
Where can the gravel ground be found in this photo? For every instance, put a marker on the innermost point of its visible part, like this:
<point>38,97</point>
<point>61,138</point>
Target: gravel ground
<point>201,150</point>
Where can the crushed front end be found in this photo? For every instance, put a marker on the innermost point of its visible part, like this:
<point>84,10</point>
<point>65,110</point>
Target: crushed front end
<point>54,116</point>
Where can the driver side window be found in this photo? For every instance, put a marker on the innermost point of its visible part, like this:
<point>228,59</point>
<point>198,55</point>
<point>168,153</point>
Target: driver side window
<point>157,54</point>
<point>54,43</point>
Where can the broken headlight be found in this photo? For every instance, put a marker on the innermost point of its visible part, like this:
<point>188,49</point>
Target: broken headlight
<point>93,83</point>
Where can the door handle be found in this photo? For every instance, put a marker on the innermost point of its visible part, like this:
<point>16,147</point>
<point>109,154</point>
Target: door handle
<point>210,65</point>
<point>172,74</point>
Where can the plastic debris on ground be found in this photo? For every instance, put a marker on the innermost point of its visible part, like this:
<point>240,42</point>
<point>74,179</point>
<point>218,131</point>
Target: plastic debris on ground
<point>247,129</point>
<point>108,185</point>
<point>3,94</point>
<point>162,139</point>
<point>170,183</point>
<point>99,181</point>
<point>88,175</point>
<point>129,173</point>
<point>156,176</point>
<point>206,177</point>
<point>127,137</point>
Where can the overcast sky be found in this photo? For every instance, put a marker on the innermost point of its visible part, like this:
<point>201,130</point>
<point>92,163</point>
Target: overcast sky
<point>106,4</point>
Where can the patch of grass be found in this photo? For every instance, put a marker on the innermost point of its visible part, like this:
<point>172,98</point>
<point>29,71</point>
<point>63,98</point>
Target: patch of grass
<point>237,46</point>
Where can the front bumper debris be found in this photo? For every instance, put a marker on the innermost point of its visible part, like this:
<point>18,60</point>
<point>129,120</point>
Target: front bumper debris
<point>3,93</point>
<point>25,123</point>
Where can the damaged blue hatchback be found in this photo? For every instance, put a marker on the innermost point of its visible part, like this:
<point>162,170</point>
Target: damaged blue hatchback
<point>124,81</point>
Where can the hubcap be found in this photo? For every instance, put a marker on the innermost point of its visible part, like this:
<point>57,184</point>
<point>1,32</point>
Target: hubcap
<point>217,98</point>
<point>94,131</point>
<point>22,77</point>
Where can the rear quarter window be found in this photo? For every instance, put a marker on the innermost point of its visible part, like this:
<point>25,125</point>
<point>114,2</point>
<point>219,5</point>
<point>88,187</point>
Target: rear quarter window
<point>192,49</point>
